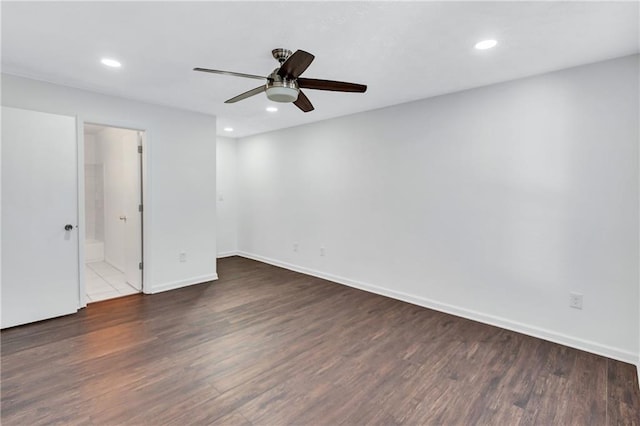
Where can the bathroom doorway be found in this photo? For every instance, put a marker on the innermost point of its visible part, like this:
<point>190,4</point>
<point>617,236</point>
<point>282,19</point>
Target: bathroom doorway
<point>113,212</point>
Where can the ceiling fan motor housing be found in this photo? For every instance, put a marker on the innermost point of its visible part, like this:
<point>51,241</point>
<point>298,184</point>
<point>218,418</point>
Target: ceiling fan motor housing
<point>281,89</point>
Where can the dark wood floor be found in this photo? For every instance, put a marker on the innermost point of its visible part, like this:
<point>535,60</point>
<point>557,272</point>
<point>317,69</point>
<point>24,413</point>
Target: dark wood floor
<point>267,346</point>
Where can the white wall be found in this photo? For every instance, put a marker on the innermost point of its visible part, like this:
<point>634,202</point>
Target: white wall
<point>493,203</point>
<point>226,180</point>
<point>180,200</point>
<point>89,148</point>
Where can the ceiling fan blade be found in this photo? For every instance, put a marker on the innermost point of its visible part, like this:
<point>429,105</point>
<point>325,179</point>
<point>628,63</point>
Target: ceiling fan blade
<point>236,74</point>
<point>303,102</point>
<point>246,95</point>
<point>295,64</point>
<point>335,86</point>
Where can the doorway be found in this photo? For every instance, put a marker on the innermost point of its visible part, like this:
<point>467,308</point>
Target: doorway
<point>113,212</point>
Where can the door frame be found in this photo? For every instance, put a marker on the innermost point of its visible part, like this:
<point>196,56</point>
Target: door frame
<point>146,200</point>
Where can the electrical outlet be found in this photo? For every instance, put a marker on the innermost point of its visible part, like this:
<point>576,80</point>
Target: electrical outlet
<point>182,257</point>
<point>321,251</point>
<point>295,246</point>
<point>575,300</point>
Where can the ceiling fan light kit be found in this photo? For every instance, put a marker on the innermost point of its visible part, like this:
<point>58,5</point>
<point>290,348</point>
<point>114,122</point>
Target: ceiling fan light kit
<point>284,84</point>
<point>282,94</point>
<point>282,91</point>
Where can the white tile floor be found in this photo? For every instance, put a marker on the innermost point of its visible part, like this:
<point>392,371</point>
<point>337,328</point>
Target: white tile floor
<point>103,282</point>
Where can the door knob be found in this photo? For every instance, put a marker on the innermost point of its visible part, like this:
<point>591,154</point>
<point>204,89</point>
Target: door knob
<point>123,218</point>
<point>68,227</point>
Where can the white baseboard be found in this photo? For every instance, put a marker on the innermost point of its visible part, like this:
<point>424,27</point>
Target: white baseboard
<point>227,254</point>
<point>182,283</point>
<point>552,336</point>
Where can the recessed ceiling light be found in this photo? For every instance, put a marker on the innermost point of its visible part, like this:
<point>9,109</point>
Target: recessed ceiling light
<point>228,129</point>
<point>110,63</point>
<point>272,109</point>
<point>486,44</point>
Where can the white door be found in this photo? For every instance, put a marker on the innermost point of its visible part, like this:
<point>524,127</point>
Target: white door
<point>131,169</point>
<point>39,198</point>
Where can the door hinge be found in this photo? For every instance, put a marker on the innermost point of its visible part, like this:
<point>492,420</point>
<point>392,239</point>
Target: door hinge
<point>140,208</point>
<point>139,149</point>
<point>140,265</point>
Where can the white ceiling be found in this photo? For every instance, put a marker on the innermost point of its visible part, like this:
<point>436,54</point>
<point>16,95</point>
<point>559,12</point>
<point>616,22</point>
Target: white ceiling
<point>403,51</point>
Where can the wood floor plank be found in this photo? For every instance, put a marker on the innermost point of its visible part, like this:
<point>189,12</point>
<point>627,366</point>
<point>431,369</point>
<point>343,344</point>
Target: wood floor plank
<point>623,394</point>
<point>268,346</point>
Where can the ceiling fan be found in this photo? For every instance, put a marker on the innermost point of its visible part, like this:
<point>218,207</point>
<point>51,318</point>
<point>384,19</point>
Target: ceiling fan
<point>284,83</point>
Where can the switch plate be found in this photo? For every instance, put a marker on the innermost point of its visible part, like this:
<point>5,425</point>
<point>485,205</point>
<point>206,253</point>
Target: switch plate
<point>182,257</point>
<point>575,300</point>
